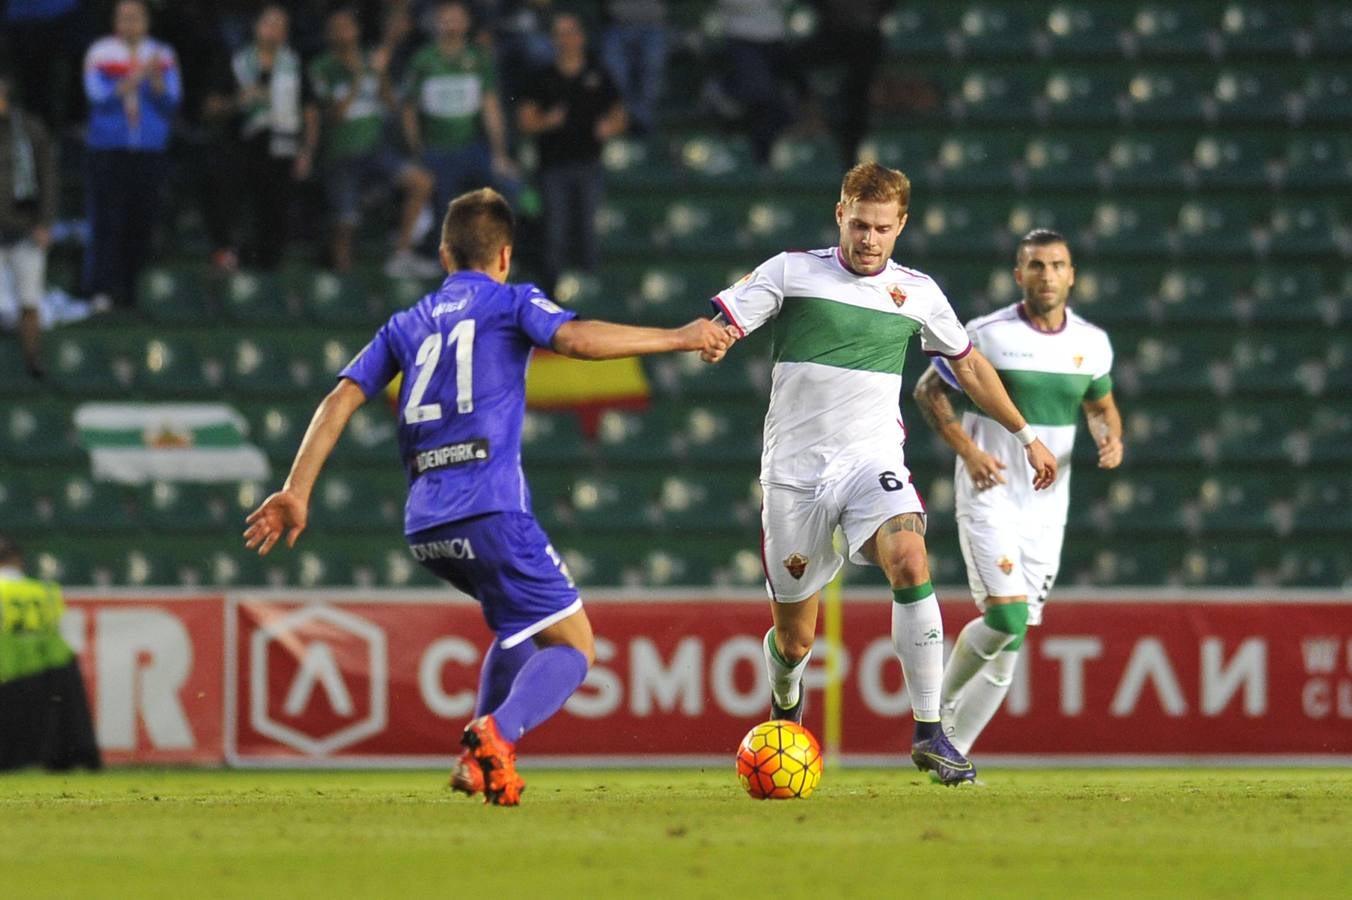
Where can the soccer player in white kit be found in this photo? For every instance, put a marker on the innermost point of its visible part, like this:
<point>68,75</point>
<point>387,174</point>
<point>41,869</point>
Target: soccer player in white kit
<point>1055,365</point>
<point>842,318</point>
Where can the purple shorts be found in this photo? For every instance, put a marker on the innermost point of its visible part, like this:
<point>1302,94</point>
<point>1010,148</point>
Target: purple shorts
<point>505,561</point>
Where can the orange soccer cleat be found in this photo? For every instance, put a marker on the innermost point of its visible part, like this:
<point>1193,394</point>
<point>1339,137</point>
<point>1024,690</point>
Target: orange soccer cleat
<point>466,775</point>
<point>497,760</point>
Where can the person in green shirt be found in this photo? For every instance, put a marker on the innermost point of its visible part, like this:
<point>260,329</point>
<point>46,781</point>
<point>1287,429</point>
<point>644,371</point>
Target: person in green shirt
<point>344,133</point>
<point>44,715</point>
<point>451,116</point>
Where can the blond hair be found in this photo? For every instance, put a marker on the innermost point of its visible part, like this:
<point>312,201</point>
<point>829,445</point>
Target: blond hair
<point>875,183</point>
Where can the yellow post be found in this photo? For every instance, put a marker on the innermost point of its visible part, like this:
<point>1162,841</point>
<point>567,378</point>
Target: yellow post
<point>835,645</point>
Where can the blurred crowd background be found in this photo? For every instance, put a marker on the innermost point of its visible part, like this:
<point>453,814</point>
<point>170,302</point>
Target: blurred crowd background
<point>212,204</point>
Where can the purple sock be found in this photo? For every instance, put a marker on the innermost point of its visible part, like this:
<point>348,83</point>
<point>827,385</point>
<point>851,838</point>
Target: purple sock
<point>497,673</point>
<point>542,686</point>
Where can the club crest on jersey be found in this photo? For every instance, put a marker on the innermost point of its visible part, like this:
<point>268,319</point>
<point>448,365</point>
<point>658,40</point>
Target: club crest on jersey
<point>796,563</point>
<point>1078,360</point>
<point>1006,564</point>
<point>897,293</point>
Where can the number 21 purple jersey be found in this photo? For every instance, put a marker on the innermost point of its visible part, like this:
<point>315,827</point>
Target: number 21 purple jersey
<point>463,350</point>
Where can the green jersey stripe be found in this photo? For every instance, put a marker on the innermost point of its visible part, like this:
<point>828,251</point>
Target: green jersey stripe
<point>831,333</point>
<point>1046,398</point>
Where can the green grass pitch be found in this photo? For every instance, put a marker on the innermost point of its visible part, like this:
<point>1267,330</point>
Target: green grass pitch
<point>866,833</point>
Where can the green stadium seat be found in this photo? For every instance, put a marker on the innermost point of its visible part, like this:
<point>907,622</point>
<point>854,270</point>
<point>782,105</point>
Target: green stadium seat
<point>360,501</point>
<point>1172,30</point>
<point>38,432</point>
<point>697,502</point>
<point>669,294</point>
<point>253,298</point>
<point>179,293</point>
<point>720,432</point>
<point>1318,161</point>
<point>332,297</point>
<point>1080,98</point>
<point>911,151</point>
<point>632,162</point>
<point>1197,293</point>
<point>625,435</point>
<point>331,354</point>
<point>1214,228</point>
<point>179,507</point>
<point>952,226</point>
<point>277,428</point>
<point>805,162</point>
<point>770,225</point>
<point>1278,364</point>
<point>1304,229</point>
<point>977,161</point>
<point>1147,161</point>
<point>1260,29</point>
<point>170,366</point>
<point>596,562</point>
<point>1327,97</point>
<point>1331,437</point>
<point>588,295</point>
<point>21,507</point>
<point>394,295</point>
<point>552,437</point>
<point>1106,293</point>
<point>1074,163</point>
<point>1164,97</point>
<point>1331,31</point>
<point>1253,97</point>
<point>615,500</point>
<point>1070,217</point>
<point>1322,504</point>
<point>743,373</point>
<point>628,225</point>
<point>83,505</point>
<point>1230,503</point>
<point>1323,564</point>
<point>551,493</point>
<point>696,225</point>
<point>1286,293</point>
<point>919,32</point>
<point>1131,229</point>
<point>371,436</point>
<point>87,364</point>
<point>1233,161</point>
<point>1145,563</point>
<point>234,567</point>
<point>270,365</point>
<point>1004,97</point>
<point>1161,432</point>
<point>1084,30</point>
<point>995,31</point>
<point>1211,565</point>
<point>714,157</point>
<point>14,377</point>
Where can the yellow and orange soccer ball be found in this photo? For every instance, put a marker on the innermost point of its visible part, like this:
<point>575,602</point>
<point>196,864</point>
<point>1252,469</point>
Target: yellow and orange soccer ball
<point>779,760</point>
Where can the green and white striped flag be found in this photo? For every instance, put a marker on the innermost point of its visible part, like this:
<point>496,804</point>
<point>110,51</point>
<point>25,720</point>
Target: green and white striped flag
<point>134,443</point>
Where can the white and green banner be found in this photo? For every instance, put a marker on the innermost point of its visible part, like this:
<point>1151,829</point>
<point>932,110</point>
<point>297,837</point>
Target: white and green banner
<point>134,443</point>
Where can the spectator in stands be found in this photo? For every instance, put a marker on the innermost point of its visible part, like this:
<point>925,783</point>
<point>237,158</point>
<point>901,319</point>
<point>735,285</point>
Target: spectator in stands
<point>28,192</point>
<point>757,58</point>
<point>43,39</point>
<point>268,94</point>
<point>634,49</point>
<point>133,85</point>
<point>520,42</point>
<point>451,116</point>
<point>352,92</point>
<point>44,713</point>
<point>571,109</point>
<point>850,33</point>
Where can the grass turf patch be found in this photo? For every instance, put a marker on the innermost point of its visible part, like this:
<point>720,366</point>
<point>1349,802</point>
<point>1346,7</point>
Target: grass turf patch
<point>1103,833</point>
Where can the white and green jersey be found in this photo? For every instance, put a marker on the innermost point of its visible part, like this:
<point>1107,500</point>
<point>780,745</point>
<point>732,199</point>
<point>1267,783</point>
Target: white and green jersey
<point>1048,376</point>
<point>838,345</point>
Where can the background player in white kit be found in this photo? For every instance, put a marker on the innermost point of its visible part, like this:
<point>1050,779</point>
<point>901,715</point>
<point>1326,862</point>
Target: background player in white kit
<point>1054,364</point>
<point>833,439</point>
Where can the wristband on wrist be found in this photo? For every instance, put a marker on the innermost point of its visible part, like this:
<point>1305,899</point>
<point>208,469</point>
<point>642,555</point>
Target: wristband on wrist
<point>1026,435</point>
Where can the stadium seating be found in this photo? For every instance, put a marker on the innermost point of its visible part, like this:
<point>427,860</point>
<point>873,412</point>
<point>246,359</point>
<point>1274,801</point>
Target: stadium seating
<point>1197,155</point>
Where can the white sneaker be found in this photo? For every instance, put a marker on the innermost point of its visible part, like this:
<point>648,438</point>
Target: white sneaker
<point>406,264</point>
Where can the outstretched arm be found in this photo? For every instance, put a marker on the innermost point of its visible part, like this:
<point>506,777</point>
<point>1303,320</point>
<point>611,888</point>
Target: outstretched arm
<point>982,383</point>
<point>1105,425</point>
<point>592,339</point>
<point>932,395</point>
<point>287,511</point>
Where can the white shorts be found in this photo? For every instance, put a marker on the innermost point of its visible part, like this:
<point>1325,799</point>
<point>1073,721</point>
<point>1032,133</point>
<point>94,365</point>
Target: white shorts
<point>1009,559</point>
<point>26,265</point>
<point>798,524</point>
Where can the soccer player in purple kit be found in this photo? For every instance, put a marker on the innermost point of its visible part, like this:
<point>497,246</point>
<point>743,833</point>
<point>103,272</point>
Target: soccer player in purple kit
<point>463,350</point>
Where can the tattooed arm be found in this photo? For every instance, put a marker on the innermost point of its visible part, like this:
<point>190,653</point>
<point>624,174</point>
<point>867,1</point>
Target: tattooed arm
<point>932,394</point>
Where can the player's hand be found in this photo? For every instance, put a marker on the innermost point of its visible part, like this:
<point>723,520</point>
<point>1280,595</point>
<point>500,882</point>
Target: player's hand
<point>1110,452</point>
<point>710,338</point>
<point>280,512</point>
<point>1043,462</point>
<point>986,471</point>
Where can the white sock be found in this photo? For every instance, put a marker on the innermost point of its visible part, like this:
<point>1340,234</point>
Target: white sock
<point>977,644</point>
<point>982,697</point>
<point>785,677</point>
<point>918,638</point>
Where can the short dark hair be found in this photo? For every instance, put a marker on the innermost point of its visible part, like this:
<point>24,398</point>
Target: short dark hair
<point>1040,237</point>
<point>478,224</point>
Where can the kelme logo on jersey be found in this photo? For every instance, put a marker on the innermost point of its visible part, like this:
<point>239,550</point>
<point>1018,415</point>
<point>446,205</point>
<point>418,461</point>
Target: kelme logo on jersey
<point>451,455</point>
<point>796,563</point>
<point>1006,564</point>
<point>933,636</point>
<point>897,293</point>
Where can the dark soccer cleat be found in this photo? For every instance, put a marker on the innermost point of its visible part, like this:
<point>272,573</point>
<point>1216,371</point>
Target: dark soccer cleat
<point>937,755</point>
<point>466,775</point>
<point>497,760</point>
<point>793,713</point>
